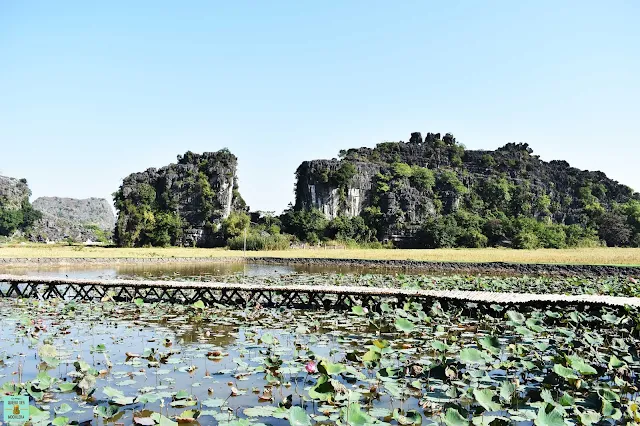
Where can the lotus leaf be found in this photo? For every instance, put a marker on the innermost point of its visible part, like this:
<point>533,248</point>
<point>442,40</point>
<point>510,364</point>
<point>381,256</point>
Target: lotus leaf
<point>507,390</point>
<point>485,399</point>
<point>516,317</point>
<point>452,417</point>
<point>404,325</point>
<point>354,416</point>
<point>412,417</point>
<point>358,310</point>
<point>162,420</point>
<point>331,368</point>
<point>298,417</point>
<point>565,372</point>
<point>490,343</point>
<point>471,356</point>
<point>581,365</point>
<point>550,415</point>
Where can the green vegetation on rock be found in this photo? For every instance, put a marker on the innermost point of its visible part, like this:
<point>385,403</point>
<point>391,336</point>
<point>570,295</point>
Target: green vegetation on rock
<point>180,204</point>
<point>426,193</point>
<point>433,193</point>
<point>16,212</point>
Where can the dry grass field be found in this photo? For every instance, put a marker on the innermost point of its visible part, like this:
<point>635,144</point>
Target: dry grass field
<point>596,256</point>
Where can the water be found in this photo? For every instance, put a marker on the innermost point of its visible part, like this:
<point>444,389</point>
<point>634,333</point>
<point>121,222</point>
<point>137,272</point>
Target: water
<point>209,355</point>
<point>235,363</point>
<point>245,366</point>
<point>216,269</point>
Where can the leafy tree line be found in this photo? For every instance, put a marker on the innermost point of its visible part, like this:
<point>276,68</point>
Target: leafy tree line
<point>620,228</point>
<point>270,232</point>
<point>21,219</point>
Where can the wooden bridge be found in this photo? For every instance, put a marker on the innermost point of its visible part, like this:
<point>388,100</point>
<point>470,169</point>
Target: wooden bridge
<point>293,296</point>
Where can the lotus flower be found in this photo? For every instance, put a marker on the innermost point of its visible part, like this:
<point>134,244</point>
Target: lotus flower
<point>311,367</point>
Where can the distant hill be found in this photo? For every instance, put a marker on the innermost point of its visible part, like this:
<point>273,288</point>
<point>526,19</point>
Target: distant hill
<point>77,219</point>
<point>432,192</point>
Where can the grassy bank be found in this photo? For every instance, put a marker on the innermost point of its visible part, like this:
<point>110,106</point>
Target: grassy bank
<point>596,256</point>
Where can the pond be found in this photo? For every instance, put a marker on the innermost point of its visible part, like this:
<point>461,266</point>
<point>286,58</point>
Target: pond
<point>136,363</point>
<point>207,270</point>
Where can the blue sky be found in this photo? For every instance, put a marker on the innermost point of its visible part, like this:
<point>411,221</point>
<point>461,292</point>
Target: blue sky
<point>92,91</point>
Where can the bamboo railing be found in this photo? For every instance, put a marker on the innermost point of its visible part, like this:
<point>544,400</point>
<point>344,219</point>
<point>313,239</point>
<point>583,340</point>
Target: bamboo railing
<point>296,296</point>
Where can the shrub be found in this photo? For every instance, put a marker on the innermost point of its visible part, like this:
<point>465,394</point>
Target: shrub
<point>631,210</point>
<point>441,232</point>
<point>552,236</point>
<point>166,231</point>
<point>577,236</point>
<point>381,184</point>
<point>526,240</point>
<point>344,173</point>
<point>497,192</point>
<point>373,218</point>
<point>344,228</point>
<point>306,225</point>
<point>29,214</point>
<point>472,238</point>
<point>351,244</point>
<point>257,242</point>
<point>448,180</point>
<point>235,224</point>
<point>422,178</point>
<point>100,234</point>
<point>273,229</point>
<point>402,170</point>
<point>10,220</point>
<point>497,228</point>
<point>488,161</point>
<point>14,219</point>
<point>543,203</point>
<point>614,230</point>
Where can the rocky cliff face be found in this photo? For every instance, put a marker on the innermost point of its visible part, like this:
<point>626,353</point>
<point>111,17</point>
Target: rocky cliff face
<point>13,192</point>
<point>94,211</point>
<point>81,220</point>
<point>317,188</point>
<point>400,185</point>
<point>182,203</point>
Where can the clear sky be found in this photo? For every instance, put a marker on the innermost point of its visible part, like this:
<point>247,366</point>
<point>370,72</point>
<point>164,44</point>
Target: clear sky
<point>92,91</point>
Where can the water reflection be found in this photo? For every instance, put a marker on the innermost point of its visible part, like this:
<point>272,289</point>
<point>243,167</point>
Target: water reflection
<point>213,269</point>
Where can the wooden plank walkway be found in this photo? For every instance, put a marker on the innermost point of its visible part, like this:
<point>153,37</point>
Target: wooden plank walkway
<point>306,296</point>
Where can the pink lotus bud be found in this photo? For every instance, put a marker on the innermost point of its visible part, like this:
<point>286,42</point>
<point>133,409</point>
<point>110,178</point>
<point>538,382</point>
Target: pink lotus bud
<point>311,367</point>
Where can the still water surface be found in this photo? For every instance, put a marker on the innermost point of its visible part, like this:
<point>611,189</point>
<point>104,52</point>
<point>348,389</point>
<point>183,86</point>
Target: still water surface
<point>217,269</point>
